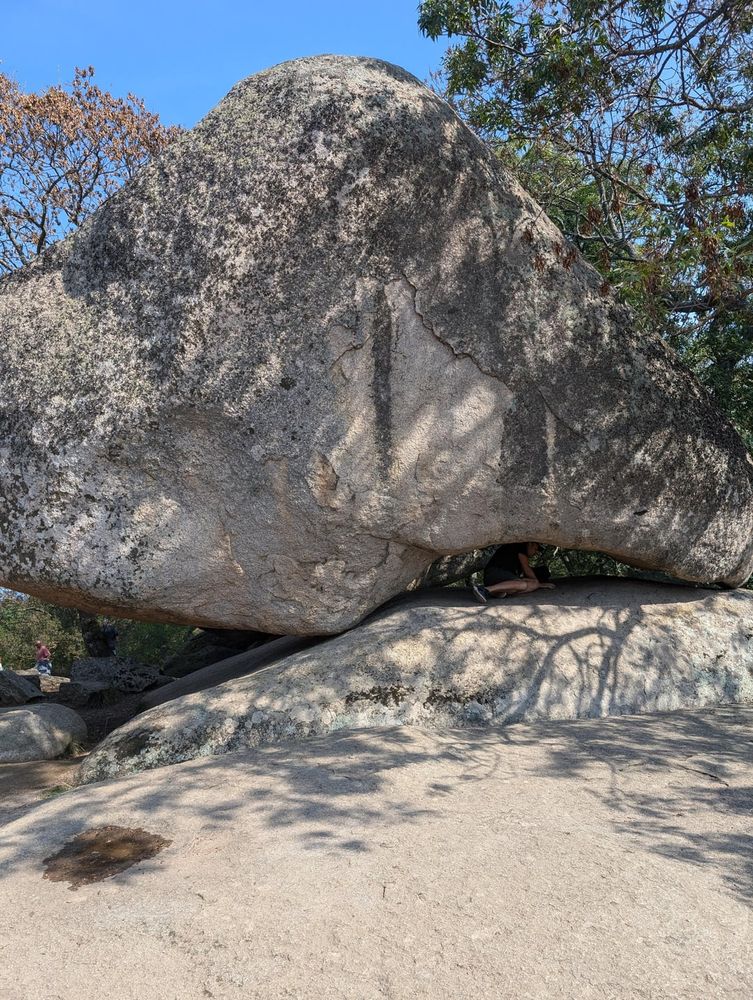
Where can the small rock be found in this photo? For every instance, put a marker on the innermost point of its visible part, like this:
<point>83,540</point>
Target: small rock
<point>47,683</point>
<point>17,690</point>
<point>38,732</point>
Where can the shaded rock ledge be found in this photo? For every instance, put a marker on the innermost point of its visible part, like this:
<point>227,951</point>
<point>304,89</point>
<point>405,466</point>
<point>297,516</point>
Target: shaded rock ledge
<point>605,858</point>
<point>590,648</point>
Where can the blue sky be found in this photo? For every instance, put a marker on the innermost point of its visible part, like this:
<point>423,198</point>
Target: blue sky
<point>181,58</point>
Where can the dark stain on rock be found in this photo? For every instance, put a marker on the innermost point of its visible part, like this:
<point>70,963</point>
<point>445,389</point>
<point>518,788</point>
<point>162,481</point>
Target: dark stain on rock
<point>381,347</point>
<point>451,696</point>
<point>391,695</point>
<point>132,744</point>
<point>100,853</point>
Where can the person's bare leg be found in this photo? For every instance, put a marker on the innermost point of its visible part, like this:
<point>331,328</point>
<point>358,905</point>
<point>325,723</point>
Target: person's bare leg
<point>518,587</point>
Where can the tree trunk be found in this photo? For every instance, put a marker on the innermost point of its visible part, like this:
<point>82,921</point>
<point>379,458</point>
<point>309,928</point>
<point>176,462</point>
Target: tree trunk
<point>91,632</point>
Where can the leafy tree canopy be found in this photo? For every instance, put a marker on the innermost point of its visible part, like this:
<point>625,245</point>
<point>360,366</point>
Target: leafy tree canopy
<point>62,152</point>
<point>23,620</point>
<point>632,123</point>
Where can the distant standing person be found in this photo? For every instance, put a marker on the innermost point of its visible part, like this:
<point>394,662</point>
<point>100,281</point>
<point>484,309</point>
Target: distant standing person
<point>110,635</point>
<point>44,666</point>
<point>509,571</point>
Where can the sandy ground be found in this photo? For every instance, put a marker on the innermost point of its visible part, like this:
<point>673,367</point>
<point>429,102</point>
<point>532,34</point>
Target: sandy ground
<point>592,859</point>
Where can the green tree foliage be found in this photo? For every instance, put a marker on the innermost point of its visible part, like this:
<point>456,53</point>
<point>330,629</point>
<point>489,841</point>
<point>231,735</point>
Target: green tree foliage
<point>62,152</point>
<point>632,123</point>
<point>150,642</point>
<point>23,620</point>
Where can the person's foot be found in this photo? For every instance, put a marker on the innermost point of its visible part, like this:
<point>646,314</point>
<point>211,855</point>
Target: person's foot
<point>481,594</point>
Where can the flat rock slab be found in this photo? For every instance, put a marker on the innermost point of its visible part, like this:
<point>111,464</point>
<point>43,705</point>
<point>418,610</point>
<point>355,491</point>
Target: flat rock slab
<point>562,861</point>
<point>590,648</point>
<point>38,732</point>
<point>46,683</point>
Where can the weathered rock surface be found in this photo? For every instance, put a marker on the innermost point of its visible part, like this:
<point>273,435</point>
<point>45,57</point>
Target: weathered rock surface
<point>603,859</point>
<point>322,340</point>
<point>16,689</point>
<point>228,669</point>
<point>119,673</point>
<point>590,648</point>
<point>210,646</point>
<point>23,784</point>
<point>38,732</point>
<point>46,683</point>
<point>83,694</point>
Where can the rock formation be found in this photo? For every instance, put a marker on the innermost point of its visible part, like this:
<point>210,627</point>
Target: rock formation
<point>564,861</point>
<point>44,683</point>
<point>38,732</point>
<point>320,341</point>
<point>438,660</point>
<point>117,672</point>
<point>16,689</point>
<point>240,665</point>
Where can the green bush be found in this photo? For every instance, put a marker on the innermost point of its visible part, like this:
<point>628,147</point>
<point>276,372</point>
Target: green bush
<point>24,619</point>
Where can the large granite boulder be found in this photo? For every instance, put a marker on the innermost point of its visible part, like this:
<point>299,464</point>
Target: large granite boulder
<point>436,659</point>
<point>38,732</point>
<point>320,341</point>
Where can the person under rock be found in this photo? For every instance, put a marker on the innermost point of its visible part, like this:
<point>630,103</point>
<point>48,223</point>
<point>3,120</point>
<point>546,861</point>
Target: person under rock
<point>509,571</point>
<point>110,636</point>
<point>42,653</point>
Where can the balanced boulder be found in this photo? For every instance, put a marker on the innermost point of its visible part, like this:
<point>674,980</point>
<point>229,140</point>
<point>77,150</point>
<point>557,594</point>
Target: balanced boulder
<point>436,659</point>
<point>322,340</point>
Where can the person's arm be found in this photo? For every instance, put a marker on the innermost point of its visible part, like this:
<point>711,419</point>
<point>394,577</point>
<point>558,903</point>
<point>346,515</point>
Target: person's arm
<point>526,567</point>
